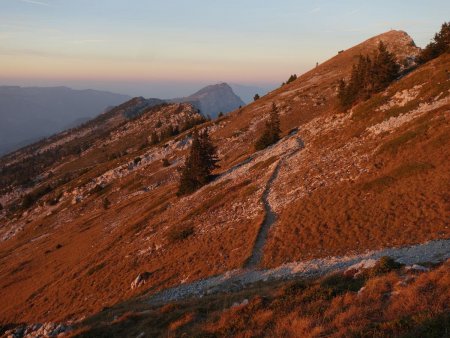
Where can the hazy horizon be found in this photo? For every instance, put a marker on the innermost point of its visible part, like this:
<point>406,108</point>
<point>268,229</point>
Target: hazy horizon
<point>156,49</point>
<point>147,89</point>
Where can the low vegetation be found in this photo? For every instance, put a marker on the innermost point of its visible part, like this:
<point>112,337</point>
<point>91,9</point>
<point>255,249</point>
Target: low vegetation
<point>384,301</point>
<point>179,233</point>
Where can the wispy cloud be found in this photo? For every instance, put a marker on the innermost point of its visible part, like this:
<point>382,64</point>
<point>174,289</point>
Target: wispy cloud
<point>353,11</point>
<point>83,41</point>
<point>315,10</point>
<point>35,2</point>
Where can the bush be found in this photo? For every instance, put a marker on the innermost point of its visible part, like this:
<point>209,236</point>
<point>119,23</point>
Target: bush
<point>384,265</point>
<point>98,189</point>
<point>32,197</point>
<point>106,203</point>
<point>180,233</point>
<point>165,162</point>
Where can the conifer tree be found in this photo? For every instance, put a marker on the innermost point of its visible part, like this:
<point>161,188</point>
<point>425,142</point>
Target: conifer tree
<point>368,76</point>
<point>438,46</point>
<point>200,163</point>
<point>154,139</point>
<point>272,130</point>
<point>385,68</point>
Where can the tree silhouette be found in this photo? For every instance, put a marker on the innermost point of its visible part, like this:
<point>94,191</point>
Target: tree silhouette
<point>438,46</point>
<point>272,130</point>
<point>200,163</point>
<point>368,76</point>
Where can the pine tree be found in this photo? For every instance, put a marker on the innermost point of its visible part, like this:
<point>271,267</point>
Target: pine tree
<point>154,139</point>
<point>438,46</point>
<point>292,78</point>
<point>368,76</point>
<point>385,68</point>
<point>200,163</point>
<point>272,130</point>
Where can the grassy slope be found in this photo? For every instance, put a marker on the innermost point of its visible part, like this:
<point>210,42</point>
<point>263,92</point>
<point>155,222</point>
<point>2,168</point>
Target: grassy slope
<point>103,250</point>
<point>377,303</point>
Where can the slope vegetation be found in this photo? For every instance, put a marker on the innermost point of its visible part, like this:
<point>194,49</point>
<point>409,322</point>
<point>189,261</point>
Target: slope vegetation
<point>337,183</point>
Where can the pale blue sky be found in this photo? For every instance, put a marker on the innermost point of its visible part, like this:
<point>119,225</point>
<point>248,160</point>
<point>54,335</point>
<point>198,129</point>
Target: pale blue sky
<point>163,48</point>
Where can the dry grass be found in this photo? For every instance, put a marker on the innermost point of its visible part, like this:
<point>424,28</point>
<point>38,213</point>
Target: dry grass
<point>387,302</point>
<point>131,236</point>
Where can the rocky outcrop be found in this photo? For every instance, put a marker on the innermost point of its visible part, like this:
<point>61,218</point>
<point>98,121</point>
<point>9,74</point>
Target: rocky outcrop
<point>39,330</point>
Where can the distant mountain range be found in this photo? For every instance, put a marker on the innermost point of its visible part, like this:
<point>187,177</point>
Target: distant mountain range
<point>28,114</point>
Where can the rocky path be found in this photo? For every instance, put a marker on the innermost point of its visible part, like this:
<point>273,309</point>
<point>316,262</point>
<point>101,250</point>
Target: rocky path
<point>270,218</point>
<point>433,251</point>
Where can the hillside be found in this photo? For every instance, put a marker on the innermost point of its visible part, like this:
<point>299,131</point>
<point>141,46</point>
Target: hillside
<point>30,113</point>
<point>337,184</point>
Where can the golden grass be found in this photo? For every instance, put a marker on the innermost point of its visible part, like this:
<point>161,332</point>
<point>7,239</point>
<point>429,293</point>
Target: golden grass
<point>386,303</point>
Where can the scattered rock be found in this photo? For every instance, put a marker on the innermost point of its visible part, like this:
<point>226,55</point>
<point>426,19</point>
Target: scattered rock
<point>243,303</point>
<point>417,267</point>
<point>140,280</point>
<point>38,330</point>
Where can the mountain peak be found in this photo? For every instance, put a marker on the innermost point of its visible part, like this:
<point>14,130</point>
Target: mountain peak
<point>213,99</point>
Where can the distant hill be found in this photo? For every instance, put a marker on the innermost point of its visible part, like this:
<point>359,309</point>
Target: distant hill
<point>30,113</point>
<point>213,99</point>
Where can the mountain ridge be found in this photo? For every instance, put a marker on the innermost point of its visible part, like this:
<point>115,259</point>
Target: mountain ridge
<point>353,187</point>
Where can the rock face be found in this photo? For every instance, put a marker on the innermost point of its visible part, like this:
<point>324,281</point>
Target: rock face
<point>214,99</point>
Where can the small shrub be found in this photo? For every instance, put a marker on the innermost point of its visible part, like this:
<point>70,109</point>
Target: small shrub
<point>106,203</point>
<point>165,162</point>
<point>384,265</point>
<point>98,189</point>
<point>180,233</point>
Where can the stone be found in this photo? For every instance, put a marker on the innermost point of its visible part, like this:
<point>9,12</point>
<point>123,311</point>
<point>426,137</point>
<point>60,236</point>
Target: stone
<point>140,280</point>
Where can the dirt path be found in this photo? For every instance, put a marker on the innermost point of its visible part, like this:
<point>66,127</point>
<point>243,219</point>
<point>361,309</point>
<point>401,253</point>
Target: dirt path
<point>270,218</point>
<point>433,251</point>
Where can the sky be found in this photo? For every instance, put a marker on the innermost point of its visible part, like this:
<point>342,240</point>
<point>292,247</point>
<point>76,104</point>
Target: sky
<point>168,48</point>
